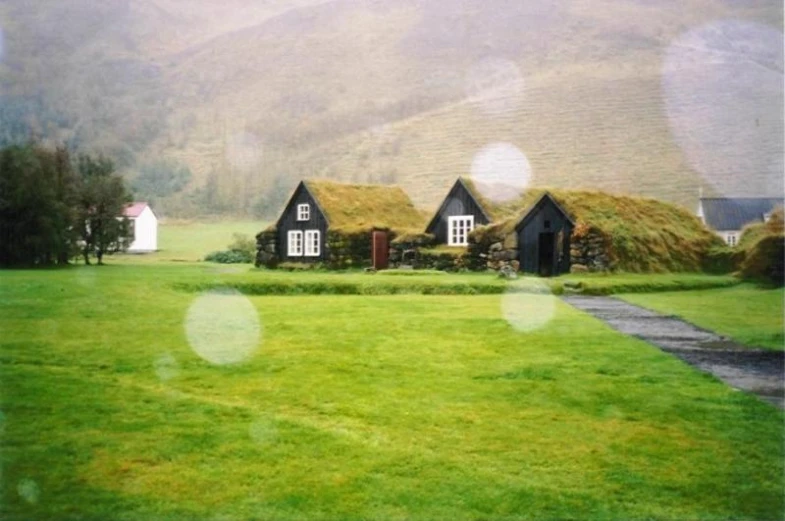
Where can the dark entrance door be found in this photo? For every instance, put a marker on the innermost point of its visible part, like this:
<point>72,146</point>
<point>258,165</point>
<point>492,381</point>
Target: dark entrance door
<point>379,250</point>
<point>545,254</point>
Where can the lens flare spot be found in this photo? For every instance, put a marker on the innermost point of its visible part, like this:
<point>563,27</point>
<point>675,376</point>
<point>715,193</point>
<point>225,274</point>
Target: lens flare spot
<point>263,431</point>
<point>722,90</point>
<point>528,305</point>
<point>166,367</point>
<point>501,171</point>
<point>243,151</point>
<point>28,490</point>
<point>222,327</point>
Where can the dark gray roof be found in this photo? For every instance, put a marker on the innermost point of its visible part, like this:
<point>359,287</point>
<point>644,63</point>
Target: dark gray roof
<point>723,213</point>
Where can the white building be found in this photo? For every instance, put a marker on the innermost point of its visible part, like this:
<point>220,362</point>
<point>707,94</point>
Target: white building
<point>727,216</point>
<point>144,225</point>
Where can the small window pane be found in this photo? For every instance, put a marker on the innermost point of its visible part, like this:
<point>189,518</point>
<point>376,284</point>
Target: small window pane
<point>295,244</point>
<point>458,229</point>
<point>312,243</point>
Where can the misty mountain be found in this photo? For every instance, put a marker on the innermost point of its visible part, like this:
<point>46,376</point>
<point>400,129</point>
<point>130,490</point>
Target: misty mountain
<point>655,98</point>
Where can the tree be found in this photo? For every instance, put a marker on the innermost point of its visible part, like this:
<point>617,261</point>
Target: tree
<point>37,188</point>
<point>64,183</point>
<point>101,201</point>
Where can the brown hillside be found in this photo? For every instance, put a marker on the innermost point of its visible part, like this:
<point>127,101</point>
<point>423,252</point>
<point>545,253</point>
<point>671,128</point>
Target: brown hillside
<point>629,97</point>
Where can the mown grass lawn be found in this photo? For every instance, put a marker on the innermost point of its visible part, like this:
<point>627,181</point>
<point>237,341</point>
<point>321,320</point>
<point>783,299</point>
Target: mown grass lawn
<point>356,407</point>
<point>187,241</point>
<point>746,313</point>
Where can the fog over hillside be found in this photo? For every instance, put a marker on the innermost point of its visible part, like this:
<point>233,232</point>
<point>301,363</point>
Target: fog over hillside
<point>220,107</point>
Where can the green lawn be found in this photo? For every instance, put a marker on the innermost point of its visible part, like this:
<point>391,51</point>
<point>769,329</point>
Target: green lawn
<point>355,407</point>
<point>746,313</point>
<point>191,241</point>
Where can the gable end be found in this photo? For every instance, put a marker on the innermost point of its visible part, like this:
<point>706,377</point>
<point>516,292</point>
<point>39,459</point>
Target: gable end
<point>546,198</point>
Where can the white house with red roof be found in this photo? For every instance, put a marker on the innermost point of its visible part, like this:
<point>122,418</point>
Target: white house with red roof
<point>144,225</point>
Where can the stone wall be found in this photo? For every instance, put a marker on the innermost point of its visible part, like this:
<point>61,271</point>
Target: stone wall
<point>589,250</point>
<point>266,254</point>
<point>490,248</point>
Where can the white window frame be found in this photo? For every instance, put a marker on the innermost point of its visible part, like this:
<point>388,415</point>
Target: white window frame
<point>303,212</point>
<point>313,243</point>
<point>732,239</point>
<point>458,229</point>
<point>294,243</point>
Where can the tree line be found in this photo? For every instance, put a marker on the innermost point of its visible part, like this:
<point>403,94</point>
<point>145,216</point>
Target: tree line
<point>55,207</point>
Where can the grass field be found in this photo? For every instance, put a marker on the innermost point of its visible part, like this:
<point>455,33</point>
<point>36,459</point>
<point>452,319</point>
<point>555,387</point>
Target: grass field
<point>746,313</point>
<point>355,407</point>
<point>191,241</point>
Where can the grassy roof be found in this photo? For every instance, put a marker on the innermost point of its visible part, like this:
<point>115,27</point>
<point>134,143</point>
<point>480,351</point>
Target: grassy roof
<point>354,207</point>
<point>642,234</point>
<point>500,211</point>
<point>752,233</point>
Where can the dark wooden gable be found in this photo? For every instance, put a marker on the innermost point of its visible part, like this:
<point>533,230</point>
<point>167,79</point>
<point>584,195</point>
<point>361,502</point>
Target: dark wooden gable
<point>459,201</point>
<point>544,238</point>
<point>288,222</point>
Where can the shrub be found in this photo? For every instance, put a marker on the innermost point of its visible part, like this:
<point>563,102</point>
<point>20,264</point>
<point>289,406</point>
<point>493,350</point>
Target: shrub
<point>762,249</point>
<point>242,243</point>
<point>721,259</point>
<point>764,260</point>
<point>230,257</point>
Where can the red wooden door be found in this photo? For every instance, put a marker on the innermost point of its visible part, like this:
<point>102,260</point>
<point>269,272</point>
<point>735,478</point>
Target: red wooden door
<point>380,250</point>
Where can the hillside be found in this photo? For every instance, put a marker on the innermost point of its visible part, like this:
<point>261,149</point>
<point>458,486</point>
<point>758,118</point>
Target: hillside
<point>631,97</point>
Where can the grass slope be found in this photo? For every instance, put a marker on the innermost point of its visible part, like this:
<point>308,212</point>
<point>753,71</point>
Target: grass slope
<point>745,313</point>
<point>356,408</point>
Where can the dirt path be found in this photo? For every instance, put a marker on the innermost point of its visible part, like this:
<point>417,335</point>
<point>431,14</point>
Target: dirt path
<point>756,371</point>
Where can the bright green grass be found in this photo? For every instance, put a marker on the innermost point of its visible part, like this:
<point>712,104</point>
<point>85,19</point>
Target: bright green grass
<point>191,241</point>
<point>358,407</point>
<point>746,313</point>
<point>274,282</point>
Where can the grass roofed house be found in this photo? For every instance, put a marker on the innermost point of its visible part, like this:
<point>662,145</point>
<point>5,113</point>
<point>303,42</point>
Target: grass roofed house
<point>577,230</point>
<point>339,225</point>
<point>728,216</point>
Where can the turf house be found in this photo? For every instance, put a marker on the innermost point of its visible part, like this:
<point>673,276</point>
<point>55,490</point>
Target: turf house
<point>727,216</point>
<point>558,231</point>
<point>606,232</point>
<point>461,211</point>
<point>338,225</point>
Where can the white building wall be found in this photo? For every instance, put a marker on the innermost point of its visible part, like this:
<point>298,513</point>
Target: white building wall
<point>731,237</point>
<point>145,232</point>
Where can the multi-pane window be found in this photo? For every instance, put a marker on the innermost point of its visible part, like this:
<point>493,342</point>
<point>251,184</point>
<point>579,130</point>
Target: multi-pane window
<point>312,247</point>
<point>295,243</point>
<point>458,228</point>
<point>303,212</point>
<point>731,239</point>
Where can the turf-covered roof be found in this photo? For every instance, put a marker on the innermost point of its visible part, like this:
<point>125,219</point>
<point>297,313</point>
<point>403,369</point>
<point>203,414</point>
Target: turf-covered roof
<point>726,213</point>
<point>494,210</point>
<point>501,202</point>
<point>643,234</point>
<point>350,206</point>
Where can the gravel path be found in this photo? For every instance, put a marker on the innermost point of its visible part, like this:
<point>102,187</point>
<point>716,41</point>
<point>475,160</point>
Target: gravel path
<point>756,371</point>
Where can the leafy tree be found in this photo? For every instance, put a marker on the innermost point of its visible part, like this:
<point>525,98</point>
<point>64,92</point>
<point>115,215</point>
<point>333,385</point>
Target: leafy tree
<point>101,201</point>
<point>37,189</point>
